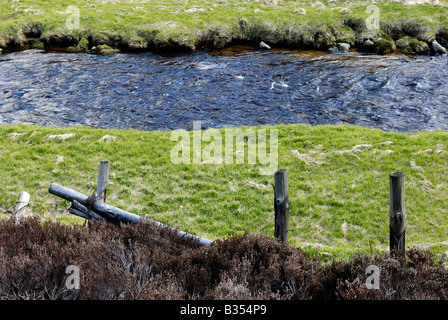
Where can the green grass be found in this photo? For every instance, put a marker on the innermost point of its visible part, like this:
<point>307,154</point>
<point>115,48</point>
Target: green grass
<point>339,201</point>
<point>158,21</point>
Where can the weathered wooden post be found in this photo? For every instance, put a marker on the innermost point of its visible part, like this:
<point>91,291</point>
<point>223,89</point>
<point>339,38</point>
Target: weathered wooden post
<point>20,207</point>
<point>101,186</point>
<point>281,205</point>
<point>397,212</point>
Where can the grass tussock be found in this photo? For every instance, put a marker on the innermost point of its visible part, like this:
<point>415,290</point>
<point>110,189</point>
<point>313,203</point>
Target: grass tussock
<point>144,262</point>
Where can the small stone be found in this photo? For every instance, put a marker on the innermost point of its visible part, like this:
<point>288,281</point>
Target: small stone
<point>333,50</point>
<point>107,138</point>
<point>15,135</point>
<point>264,46</point>
<point>437,48</point>
<point>62,137</point>
<point>193,10</point>
<point>318,4</point>
<point>345,11</point>
<point>361,147</point>
<point>59,159</point>
<point>270,3</point>
<point>413,165</point>
<point>385,143</point>
<point>368,43</point>
<point>300,11</point>
<point>343,47</point>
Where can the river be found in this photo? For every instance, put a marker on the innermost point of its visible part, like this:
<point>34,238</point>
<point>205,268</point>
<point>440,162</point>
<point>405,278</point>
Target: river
<point>232,87</point>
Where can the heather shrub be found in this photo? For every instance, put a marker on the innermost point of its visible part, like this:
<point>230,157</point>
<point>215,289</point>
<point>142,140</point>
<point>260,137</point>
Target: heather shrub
<point>414,276</point>
<point>146,262</point>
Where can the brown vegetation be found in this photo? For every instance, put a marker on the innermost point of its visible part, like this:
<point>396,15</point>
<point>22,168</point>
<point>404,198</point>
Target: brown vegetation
<point>145,262</point>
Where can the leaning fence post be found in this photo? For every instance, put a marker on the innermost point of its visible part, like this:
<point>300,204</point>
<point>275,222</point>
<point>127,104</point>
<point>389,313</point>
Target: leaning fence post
<point>101,186</point>
<point>20,207</point>
<point>281,205</point>
<point>397,212</point>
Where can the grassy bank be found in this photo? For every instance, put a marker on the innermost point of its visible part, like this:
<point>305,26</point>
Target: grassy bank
<point>175,25</point>
<point>338,183</point>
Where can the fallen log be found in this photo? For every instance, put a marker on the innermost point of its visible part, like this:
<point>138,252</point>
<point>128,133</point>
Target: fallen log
<point>85,206</point>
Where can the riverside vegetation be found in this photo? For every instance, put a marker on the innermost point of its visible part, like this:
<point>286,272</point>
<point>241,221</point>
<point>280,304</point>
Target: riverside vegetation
<point>175,25</point>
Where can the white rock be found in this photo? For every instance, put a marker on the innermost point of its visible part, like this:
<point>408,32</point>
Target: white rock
<point>385,143</point>
<point>107,138</point>
<point>345,11</point>
<point>264,46</point>
<point>193,10</point>
<point>343,47</point>
<point>300,11</point>
<point>62,137</point>
<point>437,48</point>
<point>318,4</point>
<point>413,165</point>
<point>14,135</point>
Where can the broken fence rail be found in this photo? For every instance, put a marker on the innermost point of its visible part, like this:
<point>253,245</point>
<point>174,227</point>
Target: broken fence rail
<point>88,207</point>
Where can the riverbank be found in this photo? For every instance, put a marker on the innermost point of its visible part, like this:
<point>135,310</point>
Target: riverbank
<point>178,26</point>
<point>338,183</point>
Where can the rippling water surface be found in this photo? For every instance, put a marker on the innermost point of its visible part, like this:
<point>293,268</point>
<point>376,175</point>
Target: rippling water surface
<point>233,87</point>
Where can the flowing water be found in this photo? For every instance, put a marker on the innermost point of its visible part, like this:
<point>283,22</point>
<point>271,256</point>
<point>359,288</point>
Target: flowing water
<point>232,87</point>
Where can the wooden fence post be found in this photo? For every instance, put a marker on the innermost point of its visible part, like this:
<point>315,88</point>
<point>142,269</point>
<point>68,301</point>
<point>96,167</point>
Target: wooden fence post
<point>281,205</point>
<point>20,207</point>
<point>101,185</point>
<point>397,212</point>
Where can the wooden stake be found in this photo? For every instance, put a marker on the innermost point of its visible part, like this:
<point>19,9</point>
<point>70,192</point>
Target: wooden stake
<point>101,186</point>
<point>281,205</point>
<point>397,212</point>
<point>20,207</point>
